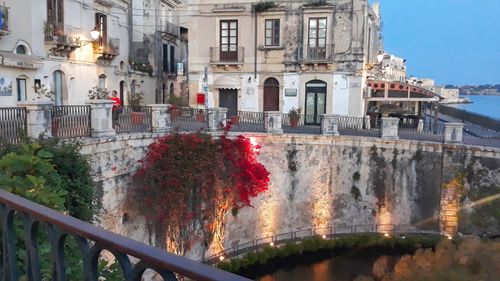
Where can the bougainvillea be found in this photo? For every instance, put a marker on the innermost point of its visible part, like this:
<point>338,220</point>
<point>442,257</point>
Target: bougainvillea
<point>188,183</point>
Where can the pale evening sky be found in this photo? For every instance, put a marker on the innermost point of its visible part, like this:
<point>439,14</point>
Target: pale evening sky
<point>453,41</point>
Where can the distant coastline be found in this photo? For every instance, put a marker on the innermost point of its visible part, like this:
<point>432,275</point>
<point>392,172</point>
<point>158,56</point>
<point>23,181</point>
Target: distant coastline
<point>477,90</point>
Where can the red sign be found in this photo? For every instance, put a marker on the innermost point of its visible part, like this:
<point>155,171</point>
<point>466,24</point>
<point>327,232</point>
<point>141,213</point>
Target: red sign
<point>200,98</point>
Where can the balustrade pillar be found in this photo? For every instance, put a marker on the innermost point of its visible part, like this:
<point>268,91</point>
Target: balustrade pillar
<point>453,132</point>
<point>330,125</point>
<point>160,118</point>
<point>217,118</point>
<point>272,122</point>
<point>101,119</point>
<point>390,128</point>
<point>38,118</point>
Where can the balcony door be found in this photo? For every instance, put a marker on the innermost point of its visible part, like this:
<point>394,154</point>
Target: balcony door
<point>316,43</point>
<point>315,102</point>
<point>228,40</point>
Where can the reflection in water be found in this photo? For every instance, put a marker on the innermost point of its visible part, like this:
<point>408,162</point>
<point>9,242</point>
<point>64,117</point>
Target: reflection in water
<point>338,268</point>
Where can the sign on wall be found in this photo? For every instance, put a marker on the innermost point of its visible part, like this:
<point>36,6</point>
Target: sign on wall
<point>5,87</point>
<point>290,92</point>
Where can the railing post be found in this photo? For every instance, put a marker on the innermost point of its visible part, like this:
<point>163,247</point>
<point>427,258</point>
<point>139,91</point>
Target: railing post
<point>367,124</point>
<point>38,118</point>
<point>390,128</point>
<point>453,132</point>
<point>160,118</point>
<point>101,120</point>
<point>330,125</point>
<point>272,122</point>
<point>217,118</point>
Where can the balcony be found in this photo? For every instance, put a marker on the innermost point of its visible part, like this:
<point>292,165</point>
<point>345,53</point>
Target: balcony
<point>4,21</point>
<point>170,30</point>
<point>109,51</point>
<point>62,38</point>
<point>308,54</point>
<point>227,58</point>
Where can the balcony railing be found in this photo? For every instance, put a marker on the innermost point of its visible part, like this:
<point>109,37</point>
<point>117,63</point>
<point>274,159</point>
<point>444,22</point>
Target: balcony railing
<point>221,55</point>
<point>92,241</point>
<point>62,35</point>
<point>111,48</point>
<point>4,20</point>
<point>315,54</point>
<point>171,29</point>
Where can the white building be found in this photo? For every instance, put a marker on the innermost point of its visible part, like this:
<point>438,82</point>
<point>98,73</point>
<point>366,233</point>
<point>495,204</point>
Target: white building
<point>48,42</point>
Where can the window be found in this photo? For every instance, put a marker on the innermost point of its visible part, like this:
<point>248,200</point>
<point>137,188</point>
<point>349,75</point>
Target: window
<point>102,82</point>
<point>55,16</point>
<point>21,89</point>
<point>21,50</point>
<point>272,32</point>
<point>58,87</point>
<point>101,25</point>
<point>316,42</point>
<point>229,40</point>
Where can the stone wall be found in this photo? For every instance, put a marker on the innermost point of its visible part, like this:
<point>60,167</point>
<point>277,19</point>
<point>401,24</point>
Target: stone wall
<point>320,181</point>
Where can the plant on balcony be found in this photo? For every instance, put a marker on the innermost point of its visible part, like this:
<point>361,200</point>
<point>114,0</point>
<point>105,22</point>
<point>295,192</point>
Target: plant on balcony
<point>316,3</point>
<point>142,66</point>
<point>97,93</point>
<point>188,183</point>
<point>294,114</point>
<point>264,6</point>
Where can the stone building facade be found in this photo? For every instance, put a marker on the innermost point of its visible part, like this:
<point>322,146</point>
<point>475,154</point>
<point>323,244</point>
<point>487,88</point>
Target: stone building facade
<point>49,43</point>
<point>276,55</point>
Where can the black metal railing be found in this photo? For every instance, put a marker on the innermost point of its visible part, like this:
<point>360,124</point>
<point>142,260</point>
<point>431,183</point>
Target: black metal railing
<point>247,121</point>
<point>471,117</point>
<point>132,119</point>
<point>188,119</point>
<point>220,55</point>
<point>12,124</point>
<point>326,232</point>
<point>306,124</point>
<point>70,121</point>
<point>422,132</point>
<point>357,126</point>
<point>315,53</point>
<point>91,241</point>
<point>476,135</point>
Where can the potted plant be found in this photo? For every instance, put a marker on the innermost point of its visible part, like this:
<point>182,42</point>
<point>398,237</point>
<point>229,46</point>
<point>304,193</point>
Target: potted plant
<point>200,116</point>
<point>235,120</point>
<point>97,93</point>
<point>135,102</point>
<point>294,115</point>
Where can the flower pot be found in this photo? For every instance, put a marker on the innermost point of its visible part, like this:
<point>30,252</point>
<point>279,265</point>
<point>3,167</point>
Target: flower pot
<point>200,117</point>
<point>294,122</point>
<point>235,120</point>
<point>137,117</point>
<point>174,113</point>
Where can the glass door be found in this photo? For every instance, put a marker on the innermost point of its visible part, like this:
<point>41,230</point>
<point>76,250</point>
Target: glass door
<point>315,102</point>
<point>228,40</point>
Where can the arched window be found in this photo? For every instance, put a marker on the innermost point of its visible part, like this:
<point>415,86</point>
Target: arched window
<point>21,50</point>
<point>58,77</point>
<point>102,82</point>
<point>271,95</point>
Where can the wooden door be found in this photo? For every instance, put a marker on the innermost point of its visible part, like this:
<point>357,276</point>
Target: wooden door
<point>228,40</point>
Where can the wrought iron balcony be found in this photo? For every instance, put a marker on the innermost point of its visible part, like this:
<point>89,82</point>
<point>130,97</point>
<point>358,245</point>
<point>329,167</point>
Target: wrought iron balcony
<point>171,29</point>
<point>4,20</point>
<point>316,54</point>
<point>92,241</point>
<point>63,38</point>
<point>220,55</point>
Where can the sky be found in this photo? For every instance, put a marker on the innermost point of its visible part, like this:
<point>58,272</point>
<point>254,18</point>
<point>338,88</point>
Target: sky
<point>452,41</point>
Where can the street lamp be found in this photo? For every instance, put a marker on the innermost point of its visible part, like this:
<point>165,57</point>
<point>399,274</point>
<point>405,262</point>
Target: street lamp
<point>94,34</point>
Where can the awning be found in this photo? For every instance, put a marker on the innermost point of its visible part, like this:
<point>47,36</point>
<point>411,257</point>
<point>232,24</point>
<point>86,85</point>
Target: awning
<point>20,61</point>
<point>227,82</point>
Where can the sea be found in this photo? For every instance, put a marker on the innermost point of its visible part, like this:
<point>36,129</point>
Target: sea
<point>485,105</point>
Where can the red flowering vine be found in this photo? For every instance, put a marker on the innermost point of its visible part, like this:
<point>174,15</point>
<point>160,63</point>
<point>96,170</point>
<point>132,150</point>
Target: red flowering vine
<point>188,183</point>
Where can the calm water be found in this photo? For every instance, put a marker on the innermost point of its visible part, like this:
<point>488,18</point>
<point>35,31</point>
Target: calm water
<point>485,105</point>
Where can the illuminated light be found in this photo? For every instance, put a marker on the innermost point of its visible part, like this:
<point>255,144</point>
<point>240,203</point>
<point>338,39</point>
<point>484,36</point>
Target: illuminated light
<point>323,236</point>
<point>449,237</point>
<point>386,234</point>
<point>221,258</point>
<point>271,244</point>
<point>403,237</point>
<point>94,34</point>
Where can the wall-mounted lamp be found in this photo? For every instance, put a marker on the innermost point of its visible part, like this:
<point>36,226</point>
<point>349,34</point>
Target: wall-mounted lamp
<point>94,34</point>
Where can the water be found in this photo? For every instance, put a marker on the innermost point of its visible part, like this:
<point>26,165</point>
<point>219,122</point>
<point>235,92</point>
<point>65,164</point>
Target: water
<point>485,105</point>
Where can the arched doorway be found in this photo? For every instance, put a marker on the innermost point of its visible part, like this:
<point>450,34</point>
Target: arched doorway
<point>315,104</point>
<point>122,91</point>
<point>58,77</point>
<point>271,95</point>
